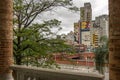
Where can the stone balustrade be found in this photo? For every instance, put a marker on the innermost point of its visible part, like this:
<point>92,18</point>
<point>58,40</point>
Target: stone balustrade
<point>34,73</point>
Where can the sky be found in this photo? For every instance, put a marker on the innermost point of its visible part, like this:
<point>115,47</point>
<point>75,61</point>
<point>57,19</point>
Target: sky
<point>68,18</point>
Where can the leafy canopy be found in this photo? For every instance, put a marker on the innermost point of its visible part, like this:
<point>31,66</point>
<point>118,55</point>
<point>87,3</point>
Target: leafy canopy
<point>33,41</point>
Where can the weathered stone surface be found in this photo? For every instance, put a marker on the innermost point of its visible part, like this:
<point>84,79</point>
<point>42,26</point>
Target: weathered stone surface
<point>23,73</point>
<point>6,38</point>
<point>114,45</point>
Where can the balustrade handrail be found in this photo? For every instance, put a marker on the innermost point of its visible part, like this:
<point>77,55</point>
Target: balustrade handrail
<point>35,73</point>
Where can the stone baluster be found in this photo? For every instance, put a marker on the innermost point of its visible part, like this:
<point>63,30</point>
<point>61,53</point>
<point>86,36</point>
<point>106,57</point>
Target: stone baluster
<point>30,73</point>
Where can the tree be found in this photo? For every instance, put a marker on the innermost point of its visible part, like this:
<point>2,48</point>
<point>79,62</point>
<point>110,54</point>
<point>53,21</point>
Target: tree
<point>101,54</point>
<point>5,39</point>
<point>103,40</point>
<point>33,38</point>
<point>100,58</point>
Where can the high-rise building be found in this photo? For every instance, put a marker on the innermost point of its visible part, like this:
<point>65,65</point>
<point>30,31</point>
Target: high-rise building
<point>70,37</point>
<point>77,32</point>
<point>85,24</point>
<point>86,12</point>
<point>89,32</point>
<point>103,24</point>
<point>99,28</point>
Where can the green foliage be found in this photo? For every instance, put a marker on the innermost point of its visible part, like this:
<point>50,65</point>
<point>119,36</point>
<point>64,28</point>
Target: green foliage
<point>104,40</point>
<point>60,46</point>
<point>34,42</point>
<point>101,55</point>
<point>74,8</point>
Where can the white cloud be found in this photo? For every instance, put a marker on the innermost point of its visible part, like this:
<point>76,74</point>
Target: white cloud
<point>68,18</point>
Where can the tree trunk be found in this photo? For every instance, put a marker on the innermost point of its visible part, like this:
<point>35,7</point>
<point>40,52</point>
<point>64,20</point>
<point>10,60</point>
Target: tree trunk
<point>114,45</point>
<point>6,37</point>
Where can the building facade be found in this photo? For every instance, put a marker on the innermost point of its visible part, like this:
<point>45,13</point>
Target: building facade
<point>86,12</point>
<point>102,22</point>
<point>77,32</point>
<point>70,38</point>
<point>89,32</point>
<point>99,28</point>
<point>85,24</point>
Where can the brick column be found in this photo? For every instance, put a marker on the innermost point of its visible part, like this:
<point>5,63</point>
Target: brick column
<point>6,38</point>
<point>114,45</point>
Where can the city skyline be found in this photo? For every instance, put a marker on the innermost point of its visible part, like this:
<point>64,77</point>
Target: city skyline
<point>68,18</point>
